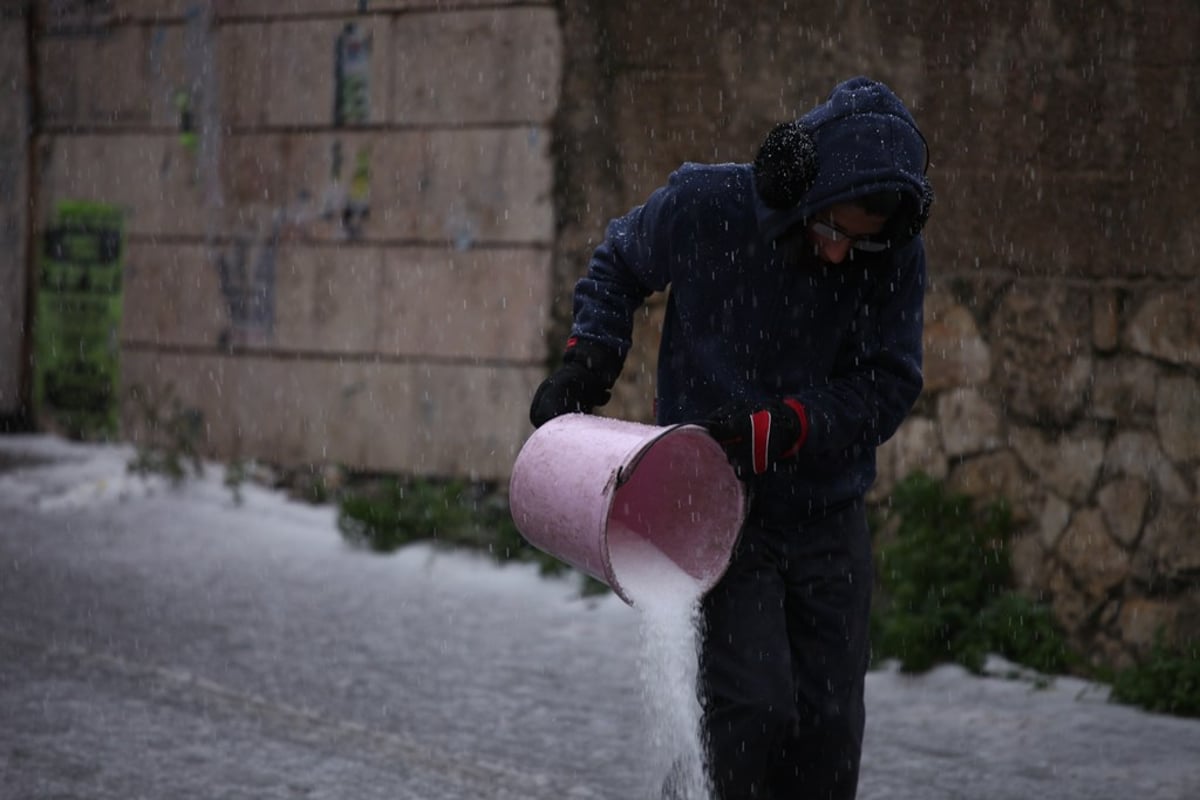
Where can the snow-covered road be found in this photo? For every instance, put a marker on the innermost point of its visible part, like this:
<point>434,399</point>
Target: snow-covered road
<point>168,643</point>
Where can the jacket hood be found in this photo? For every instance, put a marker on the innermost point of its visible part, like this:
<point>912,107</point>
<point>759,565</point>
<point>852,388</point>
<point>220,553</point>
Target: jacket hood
<point>861,140</point>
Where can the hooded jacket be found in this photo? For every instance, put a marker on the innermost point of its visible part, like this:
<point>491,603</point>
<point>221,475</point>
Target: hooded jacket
<point>746,322</point>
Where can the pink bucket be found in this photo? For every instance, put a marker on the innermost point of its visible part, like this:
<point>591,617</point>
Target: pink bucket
<point>585,487</point>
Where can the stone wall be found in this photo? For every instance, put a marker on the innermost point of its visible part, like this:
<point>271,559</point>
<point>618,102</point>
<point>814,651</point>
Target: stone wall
<point>1063,352</point>
<point>338,215</point>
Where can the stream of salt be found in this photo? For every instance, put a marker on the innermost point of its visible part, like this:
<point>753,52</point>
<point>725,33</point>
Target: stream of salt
<point>668,601</point>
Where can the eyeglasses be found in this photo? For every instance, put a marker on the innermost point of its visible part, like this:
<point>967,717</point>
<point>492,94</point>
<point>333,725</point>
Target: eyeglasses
<point>827,230</point>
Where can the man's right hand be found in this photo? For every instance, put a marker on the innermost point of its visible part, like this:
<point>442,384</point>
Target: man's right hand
<point>583,382</point>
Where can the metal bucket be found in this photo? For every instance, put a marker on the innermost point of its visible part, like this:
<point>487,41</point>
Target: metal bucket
<point>585,489</point>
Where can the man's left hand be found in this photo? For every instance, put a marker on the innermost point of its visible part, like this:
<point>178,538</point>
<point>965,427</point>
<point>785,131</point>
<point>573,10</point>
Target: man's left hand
<point>756,435</point>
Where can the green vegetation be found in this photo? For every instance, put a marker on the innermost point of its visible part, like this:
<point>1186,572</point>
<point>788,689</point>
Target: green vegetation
<point>1168,681</point>
<point>945,587</point>
<point>172,438</point>
<point>392,513</point>
<point>385,515</point>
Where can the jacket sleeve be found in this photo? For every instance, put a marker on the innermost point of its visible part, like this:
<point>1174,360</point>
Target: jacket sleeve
<point>878,377</point>
<point>631,263</point>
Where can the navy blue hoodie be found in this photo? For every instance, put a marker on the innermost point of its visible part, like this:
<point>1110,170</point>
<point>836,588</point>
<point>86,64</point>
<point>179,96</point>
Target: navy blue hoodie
<point>744,321</point>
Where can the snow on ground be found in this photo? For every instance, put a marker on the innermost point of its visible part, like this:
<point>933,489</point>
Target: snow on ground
<point>944,734</point>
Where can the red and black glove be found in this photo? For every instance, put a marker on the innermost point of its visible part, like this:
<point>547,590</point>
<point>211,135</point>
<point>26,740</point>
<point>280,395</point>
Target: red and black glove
<point>583,382</point>
<point>756,435</point>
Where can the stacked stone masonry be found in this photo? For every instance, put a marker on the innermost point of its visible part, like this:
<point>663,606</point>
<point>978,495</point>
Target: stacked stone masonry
<point>1091,434</point>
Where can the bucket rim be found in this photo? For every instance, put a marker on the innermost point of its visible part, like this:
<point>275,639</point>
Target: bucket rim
<point>625,473</point>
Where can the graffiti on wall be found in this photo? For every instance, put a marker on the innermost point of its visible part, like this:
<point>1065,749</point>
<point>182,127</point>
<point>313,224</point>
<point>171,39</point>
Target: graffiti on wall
<point>194,102</point>
<point>339,209</point>
<point>352,76</point>
<point>247,273</point>
<point>78,318</point>
<point>189,138</point>
<point>346,201</point>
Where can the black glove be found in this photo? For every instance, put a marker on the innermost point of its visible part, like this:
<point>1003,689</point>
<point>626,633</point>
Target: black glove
<point>756,435</point>
<point>583,382</point>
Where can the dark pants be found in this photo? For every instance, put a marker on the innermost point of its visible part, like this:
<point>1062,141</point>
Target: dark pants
<point>784,658</point>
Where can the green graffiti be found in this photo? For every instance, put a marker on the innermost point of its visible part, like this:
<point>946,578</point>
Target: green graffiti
<point>352,71</point>
<point>188,137</point>
<point>78,316</point>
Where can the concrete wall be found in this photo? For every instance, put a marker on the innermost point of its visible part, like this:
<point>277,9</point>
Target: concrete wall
<point>351,271</point>
<point>1063,370</point>
<point>14,217</point>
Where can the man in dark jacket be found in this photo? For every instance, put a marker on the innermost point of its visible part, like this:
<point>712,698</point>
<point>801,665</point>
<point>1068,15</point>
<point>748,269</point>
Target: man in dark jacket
<point>793,332</point>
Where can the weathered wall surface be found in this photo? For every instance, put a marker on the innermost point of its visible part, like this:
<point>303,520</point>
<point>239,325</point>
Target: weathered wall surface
<point>1063,352</point>
<point>14,193</point>
<point>338,215</point>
